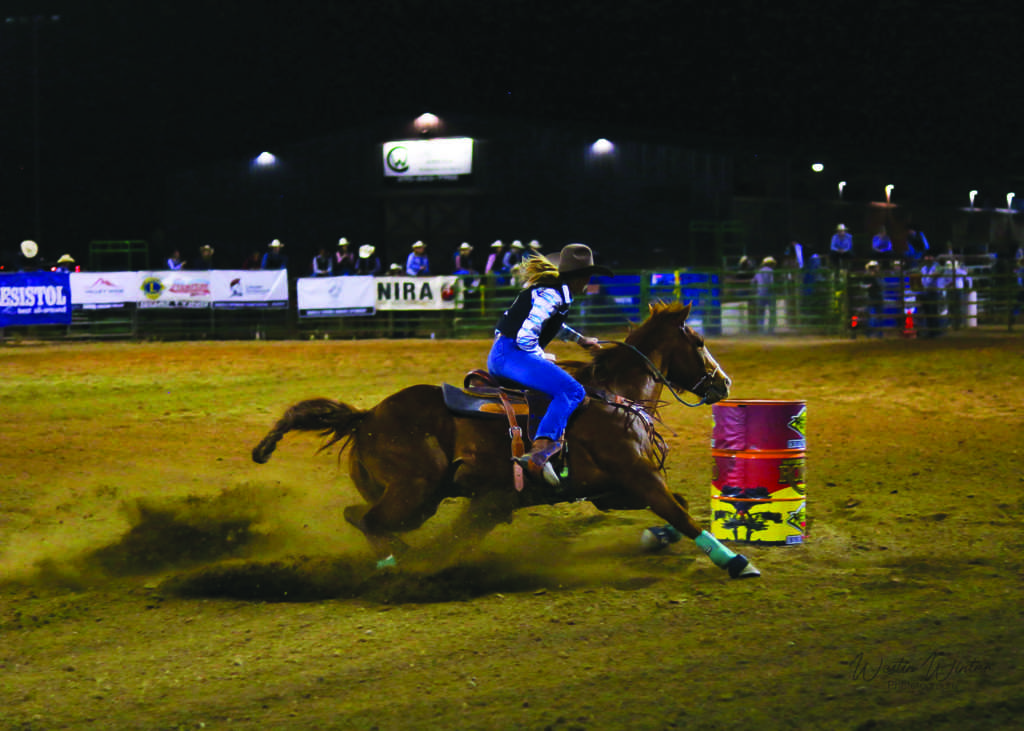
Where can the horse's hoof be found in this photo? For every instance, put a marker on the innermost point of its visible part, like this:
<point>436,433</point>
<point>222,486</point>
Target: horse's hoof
<point>657,538</point>
<point>387,563</point>
<point>739,567</point>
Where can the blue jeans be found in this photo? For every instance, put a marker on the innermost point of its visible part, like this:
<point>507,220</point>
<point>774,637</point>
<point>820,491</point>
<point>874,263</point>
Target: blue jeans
<point>508,361</point>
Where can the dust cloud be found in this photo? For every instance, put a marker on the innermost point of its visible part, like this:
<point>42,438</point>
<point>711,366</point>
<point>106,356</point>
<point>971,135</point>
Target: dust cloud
<point>268,543</point>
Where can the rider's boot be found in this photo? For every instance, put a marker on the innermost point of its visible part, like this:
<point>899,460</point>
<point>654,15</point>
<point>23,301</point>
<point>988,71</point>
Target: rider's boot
<point>536,463</point>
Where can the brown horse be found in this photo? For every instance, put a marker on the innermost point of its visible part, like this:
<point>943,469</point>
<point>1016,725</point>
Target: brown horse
<point>410,452</point>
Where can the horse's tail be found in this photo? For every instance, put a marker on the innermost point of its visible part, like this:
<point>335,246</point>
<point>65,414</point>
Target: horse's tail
<point>330,418</point>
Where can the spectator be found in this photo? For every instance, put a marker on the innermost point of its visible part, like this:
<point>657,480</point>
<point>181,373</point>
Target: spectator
<point>252,261</point>
<point>881,244</point>
<point>65,264</point>
<point>174,261</point>
<point>841,247</point>
<point>958,293</point>
<point>494,259</point>
<point>764,283</point>
<point>417,264</point>
<point>794,256</point>
<point>396,270</point>
<point>532,250</point>
<point>368,264</point>
<point>513,256</point>
<point>931,295</point>
<point>463,260</point>
<point>917,244</point>
<point>323,264</point>
<point>274,258</point>
<point>875,298</point>
<point>29,261</point>
<point>205,257</point>
<point>344,258</point>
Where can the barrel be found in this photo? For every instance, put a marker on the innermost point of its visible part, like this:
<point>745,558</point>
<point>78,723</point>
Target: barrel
<point>758,479</point>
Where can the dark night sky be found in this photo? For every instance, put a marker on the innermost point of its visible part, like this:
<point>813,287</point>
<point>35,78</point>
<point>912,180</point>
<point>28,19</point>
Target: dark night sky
<point>130,91</point>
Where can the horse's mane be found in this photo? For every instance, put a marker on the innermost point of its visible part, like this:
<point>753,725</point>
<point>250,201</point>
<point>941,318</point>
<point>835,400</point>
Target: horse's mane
<point>644,337</point>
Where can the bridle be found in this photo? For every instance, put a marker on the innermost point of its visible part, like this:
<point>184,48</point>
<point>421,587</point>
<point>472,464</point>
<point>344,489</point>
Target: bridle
<point>704,383</point>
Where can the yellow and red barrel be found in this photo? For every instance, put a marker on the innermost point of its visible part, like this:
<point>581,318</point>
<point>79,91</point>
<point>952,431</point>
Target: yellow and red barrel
<point>758,479</point>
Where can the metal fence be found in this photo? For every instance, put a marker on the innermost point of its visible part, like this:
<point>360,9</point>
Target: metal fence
<point>823,302</point>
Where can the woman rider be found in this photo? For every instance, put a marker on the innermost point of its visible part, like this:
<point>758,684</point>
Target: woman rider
<point>536,316</point>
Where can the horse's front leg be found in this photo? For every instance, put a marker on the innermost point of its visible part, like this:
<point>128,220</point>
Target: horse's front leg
<point>664,504</point>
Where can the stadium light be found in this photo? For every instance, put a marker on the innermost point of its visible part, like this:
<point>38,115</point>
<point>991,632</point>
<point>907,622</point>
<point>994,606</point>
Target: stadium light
<point>426,123</point>
<point>888,193</point>
<point>972,194</point>
<point>842,184</point>
<point>1009,200</point>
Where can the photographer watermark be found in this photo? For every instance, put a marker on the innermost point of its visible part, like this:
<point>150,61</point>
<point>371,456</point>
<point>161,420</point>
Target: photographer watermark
<point>934,671</point>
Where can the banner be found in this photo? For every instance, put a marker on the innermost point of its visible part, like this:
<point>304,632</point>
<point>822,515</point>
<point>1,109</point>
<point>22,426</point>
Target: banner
<point>336,296</point>
<point>104,290</point>
<point>35,298</point>
<point>175,289</point>
<point>418,293</point>
<point>240,288</point>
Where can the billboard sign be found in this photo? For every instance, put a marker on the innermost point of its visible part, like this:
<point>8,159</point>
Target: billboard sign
<point>444,158</point>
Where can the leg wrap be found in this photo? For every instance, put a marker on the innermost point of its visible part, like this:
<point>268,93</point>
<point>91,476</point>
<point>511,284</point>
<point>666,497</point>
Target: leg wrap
<point>719,554</point>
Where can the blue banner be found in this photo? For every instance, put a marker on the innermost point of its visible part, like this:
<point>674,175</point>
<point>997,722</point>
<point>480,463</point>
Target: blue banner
<point>35,298</point>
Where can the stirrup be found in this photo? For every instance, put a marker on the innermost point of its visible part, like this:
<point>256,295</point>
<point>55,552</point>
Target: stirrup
<point>538,463</point>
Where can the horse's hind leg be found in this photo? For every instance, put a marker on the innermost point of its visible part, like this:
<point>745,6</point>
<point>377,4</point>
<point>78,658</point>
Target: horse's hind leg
<point>395,511</point>
<point>384,545</point>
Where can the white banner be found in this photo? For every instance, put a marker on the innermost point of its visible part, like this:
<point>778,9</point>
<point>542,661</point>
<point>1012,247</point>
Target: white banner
<point>175,289</point>
<point>418,293</point>
<point>335,296</point>
<point>242,288</point>
<point>103,290</point>
<point>442,157</point>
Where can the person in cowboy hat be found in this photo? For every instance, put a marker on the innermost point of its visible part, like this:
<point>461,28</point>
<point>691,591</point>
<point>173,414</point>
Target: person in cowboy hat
<point>841,246</point>
<point>344,258</point>
<point>417,264</point>
<point>368,264</point>
<point>274,259</point>
<point>535,317</point>
<point>65,264</point>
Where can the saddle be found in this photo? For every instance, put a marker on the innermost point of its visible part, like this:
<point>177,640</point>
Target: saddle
<point>486,396</point>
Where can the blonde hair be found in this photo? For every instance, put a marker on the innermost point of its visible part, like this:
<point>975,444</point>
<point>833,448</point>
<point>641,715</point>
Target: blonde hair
<point>538,270</point>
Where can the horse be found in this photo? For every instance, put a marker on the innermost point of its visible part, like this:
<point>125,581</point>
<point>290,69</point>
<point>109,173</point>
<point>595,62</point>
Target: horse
<point>410,451</point>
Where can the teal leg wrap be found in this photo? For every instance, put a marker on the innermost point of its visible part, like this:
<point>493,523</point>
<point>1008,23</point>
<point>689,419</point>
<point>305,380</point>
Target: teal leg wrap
<point>719,554</point>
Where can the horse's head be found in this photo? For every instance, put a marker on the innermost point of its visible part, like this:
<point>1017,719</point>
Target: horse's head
<point>686,361</point>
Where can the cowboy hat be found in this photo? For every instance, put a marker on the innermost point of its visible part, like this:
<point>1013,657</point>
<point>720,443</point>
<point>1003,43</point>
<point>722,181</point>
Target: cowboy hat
<point>29,248</point>
<point>517,244</point>
<point>366,251</point>
<point>535,245</point>
<point>275,244</point>
<point>497,244</point>
<point>841,227</point>
<point>66,259</point>
<point>342,241</point>
<point>577,258</point>
<point>768,261</point>
<point>465,247</point>
<point>206,247</point>
<point>419,244</point>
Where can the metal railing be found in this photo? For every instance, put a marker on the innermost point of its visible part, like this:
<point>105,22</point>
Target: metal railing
<point>823,302</point>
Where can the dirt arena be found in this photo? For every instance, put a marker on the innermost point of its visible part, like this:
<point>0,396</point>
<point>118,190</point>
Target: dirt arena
<point>153,577</point>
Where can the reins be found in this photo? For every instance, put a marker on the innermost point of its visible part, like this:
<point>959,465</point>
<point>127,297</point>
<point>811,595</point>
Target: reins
<point>660,378</point>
